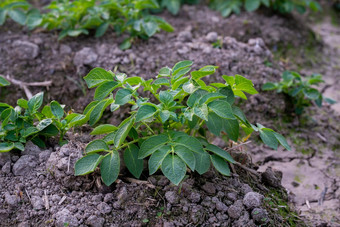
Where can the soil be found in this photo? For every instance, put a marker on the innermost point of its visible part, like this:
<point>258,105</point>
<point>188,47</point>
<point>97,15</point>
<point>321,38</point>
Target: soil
<point>38,187</point>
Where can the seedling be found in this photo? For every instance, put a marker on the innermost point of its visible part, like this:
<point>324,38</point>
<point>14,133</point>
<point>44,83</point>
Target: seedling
<point>169,125</point>
<point>299,89</point>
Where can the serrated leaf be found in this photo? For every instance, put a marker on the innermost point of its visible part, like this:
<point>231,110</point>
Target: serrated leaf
<point>110,167</point>
<point>220,152</point>
<point>97,76</point>
<point>134,165</point>
<point>103,129</point>
<point>165,115</point>
<point>186,155</point>
<point>201,111</point>
<point>109,138</point>
<point>174,168</point>
<point>57,110</point>
<point>220,165</point>
<point>222,108</point>
<point>157,158</point>
<point>144,112</point>
<point>195,97</point>
<point>123,131</point>
<point>87,164</point>
<point>152,144</point>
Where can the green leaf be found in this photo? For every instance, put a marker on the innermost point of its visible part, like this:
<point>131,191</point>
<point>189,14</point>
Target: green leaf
<point>87,164</point>
<point>152,144</point>
<point>103,129</point>
<point>232,128</point>
<point>165,97</point>
<point>202,162</point>
<point>222,109</point>
<point>269,86</point>
<point>187,156</point>
<point>251,5</point>
<point>240,115</point>
<point>220,165</point>
<point>161,81</point>
<point>29,131</point>
<point>97,76</point>
<point>18,16</point>
<point>104,90</point>
<point>134,165</point>
<point>98,110</point>
<point>214,124</point>
<point>3,14</point>
<point>174,168</point>
<point>123,131</point>
<point>282,140</point>
<point>4,82</point>
<point>196,96</point>
<point>145,112</point>
<point>165,115</point>
<point>49,131</point>
<point>201,111</point>
<point>100,31</point>
<point>35,102</point>
<point>189,142</point>
<point>180,65</point>
<point>123,96</point>
<point>22,103</point>
<point>228,92</point>
<point>268,137</point>
<point>33,19</point>
<point>110,167</point>
<point>164,72</point>
<point>173,6</point>
<point>57,110</point>
<point>205,71</point>
<point>150,27</point>
<point>18,146</point>
<point>311,93</point>
<point>96,146</point>
<point>157,158</point>
<point>109,138</point>
<point>220,152</point>
<point>126,44</point>
<point>6,147</point>
<point>43,124</point>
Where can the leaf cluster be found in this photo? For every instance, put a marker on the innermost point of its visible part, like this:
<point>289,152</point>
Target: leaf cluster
<point>170,126</point>
<point>26,123</point>
<point>173,6</point>
<point>300,89</point>
<point>227,7</point>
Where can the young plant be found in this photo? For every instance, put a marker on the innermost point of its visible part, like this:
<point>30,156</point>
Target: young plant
<point>173,6</point>
<point>79,17</point>
<point>24,122</point>
<point>299,89</point>
<point>4,82</point>
<point>170,125</point>
<point>19,11</point>
<point>227,7</point>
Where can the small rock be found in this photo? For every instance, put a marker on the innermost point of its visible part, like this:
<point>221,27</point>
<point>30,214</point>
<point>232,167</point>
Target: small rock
<point>11,200</point>
<point>44,155</point>
<point>122,195</point>
<point>31,149</point>
<point>24,224</point>
<point>65,49</point>
<point>65,216</point>
<point>184,36</point>
<point>252,200</point>
<point>37,202</point>
<point>108,197</point>
<point>295,184</point>
<point>211,37</point>
<point>260,216</point>
<point>194,197</point>
<point>232,196</point>
<point>85,56</point>
<point>6,168</point>
<point>24,165</point>
<point>246,188</point>
<point>95,221</point>
<point>209,188</point>
<point>104,208</point>
<point>4,158</point>
<point>172,197</point>
<point>97,198</point>
<point>25,50</point>
<point>221,206</point>
<point>235,210</point>
<point>272,177</point>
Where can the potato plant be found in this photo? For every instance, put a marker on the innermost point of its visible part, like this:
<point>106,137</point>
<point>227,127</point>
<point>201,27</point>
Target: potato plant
<point>227,7</point>
<point>169,123</point>
<point>25,122</point>
<point>300,90</point>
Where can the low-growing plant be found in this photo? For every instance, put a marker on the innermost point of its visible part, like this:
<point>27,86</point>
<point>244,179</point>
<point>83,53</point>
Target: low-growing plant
<point>170,125</point>
<point>19,11</point>
<point>125,16</point>
<point>173,6</point>
<point>300,89</point>
<point>24,122</point>
<point>227,7</point>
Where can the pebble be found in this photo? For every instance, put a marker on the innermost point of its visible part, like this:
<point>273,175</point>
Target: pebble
<point>252,200</point>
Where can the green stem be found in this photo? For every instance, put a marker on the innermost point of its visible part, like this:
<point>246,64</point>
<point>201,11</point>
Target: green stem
<point>148,127</point>
<point>131,142</point>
